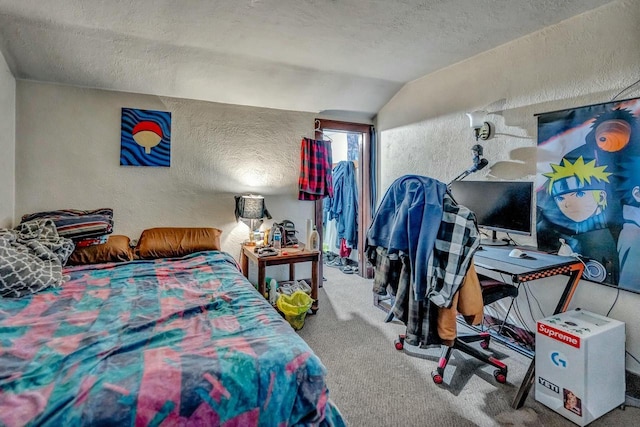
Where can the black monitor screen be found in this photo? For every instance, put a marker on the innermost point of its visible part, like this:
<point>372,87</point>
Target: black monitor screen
<point>499,205</point>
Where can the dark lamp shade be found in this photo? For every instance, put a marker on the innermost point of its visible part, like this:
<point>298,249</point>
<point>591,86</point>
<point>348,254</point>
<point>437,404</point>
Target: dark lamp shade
<point>251,207</point>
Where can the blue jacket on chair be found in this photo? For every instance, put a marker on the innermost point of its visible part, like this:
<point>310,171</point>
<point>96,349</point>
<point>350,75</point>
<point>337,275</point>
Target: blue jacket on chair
<point>407,220</point>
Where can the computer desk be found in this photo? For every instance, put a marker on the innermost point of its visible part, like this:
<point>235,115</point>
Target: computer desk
<point>537,265</point>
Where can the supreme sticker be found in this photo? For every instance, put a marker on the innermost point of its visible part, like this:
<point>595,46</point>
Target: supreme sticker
<point>559,335</point>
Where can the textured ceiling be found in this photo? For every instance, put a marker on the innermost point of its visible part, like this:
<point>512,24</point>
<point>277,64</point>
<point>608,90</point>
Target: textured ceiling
<point>343,56</point>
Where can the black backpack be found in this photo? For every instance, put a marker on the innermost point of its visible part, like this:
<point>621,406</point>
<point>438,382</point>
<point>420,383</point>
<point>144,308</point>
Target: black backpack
<point>287,231</point>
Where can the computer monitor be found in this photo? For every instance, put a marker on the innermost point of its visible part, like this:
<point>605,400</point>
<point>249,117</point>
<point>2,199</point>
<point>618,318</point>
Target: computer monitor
<point>505,206</point>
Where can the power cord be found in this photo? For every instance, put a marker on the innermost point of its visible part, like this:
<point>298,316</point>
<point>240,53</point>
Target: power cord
<point>509,239</point>
<point>587,275</point>
<point>593,270</point>
<point>516,310</point>
<point>566,250</point>
<point>614,303</point>
<point>535,299</point>
<point>625,89</point>
<point>526,294</point>
<point>516,307</point>
<point>633,357</point>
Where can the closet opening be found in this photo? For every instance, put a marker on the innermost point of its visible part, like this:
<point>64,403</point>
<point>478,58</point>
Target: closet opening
<point>341,226</point>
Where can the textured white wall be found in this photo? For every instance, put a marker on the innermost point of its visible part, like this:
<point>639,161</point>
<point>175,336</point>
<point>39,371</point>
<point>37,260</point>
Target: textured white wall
<point>68,156</point>
<point>7,143</point>
<point>584,60</point>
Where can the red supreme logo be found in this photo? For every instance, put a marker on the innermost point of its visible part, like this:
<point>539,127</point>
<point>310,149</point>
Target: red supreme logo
<point>558,335</point>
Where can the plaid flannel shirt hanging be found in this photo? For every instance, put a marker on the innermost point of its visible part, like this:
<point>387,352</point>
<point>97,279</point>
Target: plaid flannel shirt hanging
<point>315,181</point>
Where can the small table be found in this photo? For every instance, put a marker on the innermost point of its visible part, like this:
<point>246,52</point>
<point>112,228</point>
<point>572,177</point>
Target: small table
<point>537,265</point>
<point>289,256</point>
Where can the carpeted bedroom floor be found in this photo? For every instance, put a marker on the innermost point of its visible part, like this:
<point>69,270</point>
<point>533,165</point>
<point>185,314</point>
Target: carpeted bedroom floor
<point>374,384</point>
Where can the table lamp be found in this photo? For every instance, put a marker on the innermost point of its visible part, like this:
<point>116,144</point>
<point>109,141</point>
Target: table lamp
<point>252,208</point>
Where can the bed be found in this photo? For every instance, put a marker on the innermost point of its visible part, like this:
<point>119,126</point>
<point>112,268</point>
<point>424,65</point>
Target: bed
<point>170,341</point>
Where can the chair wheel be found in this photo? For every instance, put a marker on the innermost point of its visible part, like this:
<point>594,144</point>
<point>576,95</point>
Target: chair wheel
<point>500,376</point>
<point>399,342</point>
<point>436,377</point>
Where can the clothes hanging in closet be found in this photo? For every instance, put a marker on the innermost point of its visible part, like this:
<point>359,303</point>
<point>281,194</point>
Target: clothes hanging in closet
<point>343,206</point>
<point>345,251</point>
<point>315,180</point>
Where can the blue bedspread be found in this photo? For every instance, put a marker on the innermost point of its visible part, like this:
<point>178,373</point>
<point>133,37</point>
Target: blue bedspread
<point>185,341</point>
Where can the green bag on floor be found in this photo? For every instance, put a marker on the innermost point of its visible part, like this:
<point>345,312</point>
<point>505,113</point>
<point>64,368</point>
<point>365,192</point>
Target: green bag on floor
<point>294,307</point>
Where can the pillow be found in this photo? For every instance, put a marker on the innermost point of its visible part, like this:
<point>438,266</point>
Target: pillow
<point>171,242</point>
<point>116,249</point>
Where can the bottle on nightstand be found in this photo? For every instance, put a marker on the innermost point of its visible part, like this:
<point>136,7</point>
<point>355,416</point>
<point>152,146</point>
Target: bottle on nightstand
<point>277,238</point>
<point>314,240</point>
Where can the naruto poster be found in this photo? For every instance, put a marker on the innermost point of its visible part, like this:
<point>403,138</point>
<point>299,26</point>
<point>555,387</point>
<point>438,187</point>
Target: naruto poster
<point>588,188</point>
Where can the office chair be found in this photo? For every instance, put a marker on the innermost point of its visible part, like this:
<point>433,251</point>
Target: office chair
<point>423,194</point>
<point>492,291</point>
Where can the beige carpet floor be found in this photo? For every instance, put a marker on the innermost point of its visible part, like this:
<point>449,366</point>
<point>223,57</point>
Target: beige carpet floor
<point>373,384</point>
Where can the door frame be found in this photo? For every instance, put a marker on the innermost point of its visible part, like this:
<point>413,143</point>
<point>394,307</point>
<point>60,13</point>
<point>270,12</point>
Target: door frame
<point>364,198</point>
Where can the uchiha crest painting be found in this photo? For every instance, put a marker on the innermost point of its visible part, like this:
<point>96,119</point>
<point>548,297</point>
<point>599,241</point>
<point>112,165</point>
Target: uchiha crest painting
<point>588,188</point>
<point>145,138</point>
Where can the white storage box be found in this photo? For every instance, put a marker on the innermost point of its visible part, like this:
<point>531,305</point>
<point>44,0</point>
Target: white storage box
<point>580,365</point>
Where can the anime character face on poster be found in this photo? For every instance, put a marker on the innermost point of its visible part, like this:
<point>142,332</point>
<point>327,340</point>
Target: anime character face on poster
<point>585,187</point>
<point>579,189</point>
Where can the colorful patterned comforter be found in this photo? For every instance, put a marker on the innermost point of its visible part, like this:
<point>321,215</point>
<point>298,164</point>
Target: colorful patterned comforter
<point>183,341</point>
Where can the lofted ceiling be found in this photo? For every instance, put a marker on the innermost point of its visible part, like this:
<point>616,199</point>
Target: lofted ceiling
<point>331,56</point>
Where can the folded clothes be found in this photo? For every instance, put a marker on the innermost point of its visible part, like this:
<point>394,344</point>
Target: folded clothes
<point>77,224</point>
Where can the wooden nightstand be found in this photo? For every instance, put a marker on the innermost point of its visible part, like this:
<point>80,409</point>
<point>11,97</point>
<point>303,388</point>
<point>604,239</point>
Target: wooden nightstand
<point>289,256</point>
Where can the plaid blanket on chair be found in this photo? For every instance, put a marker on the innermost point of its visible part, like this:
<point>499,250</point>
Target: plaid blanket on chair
<point>452,253</point>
